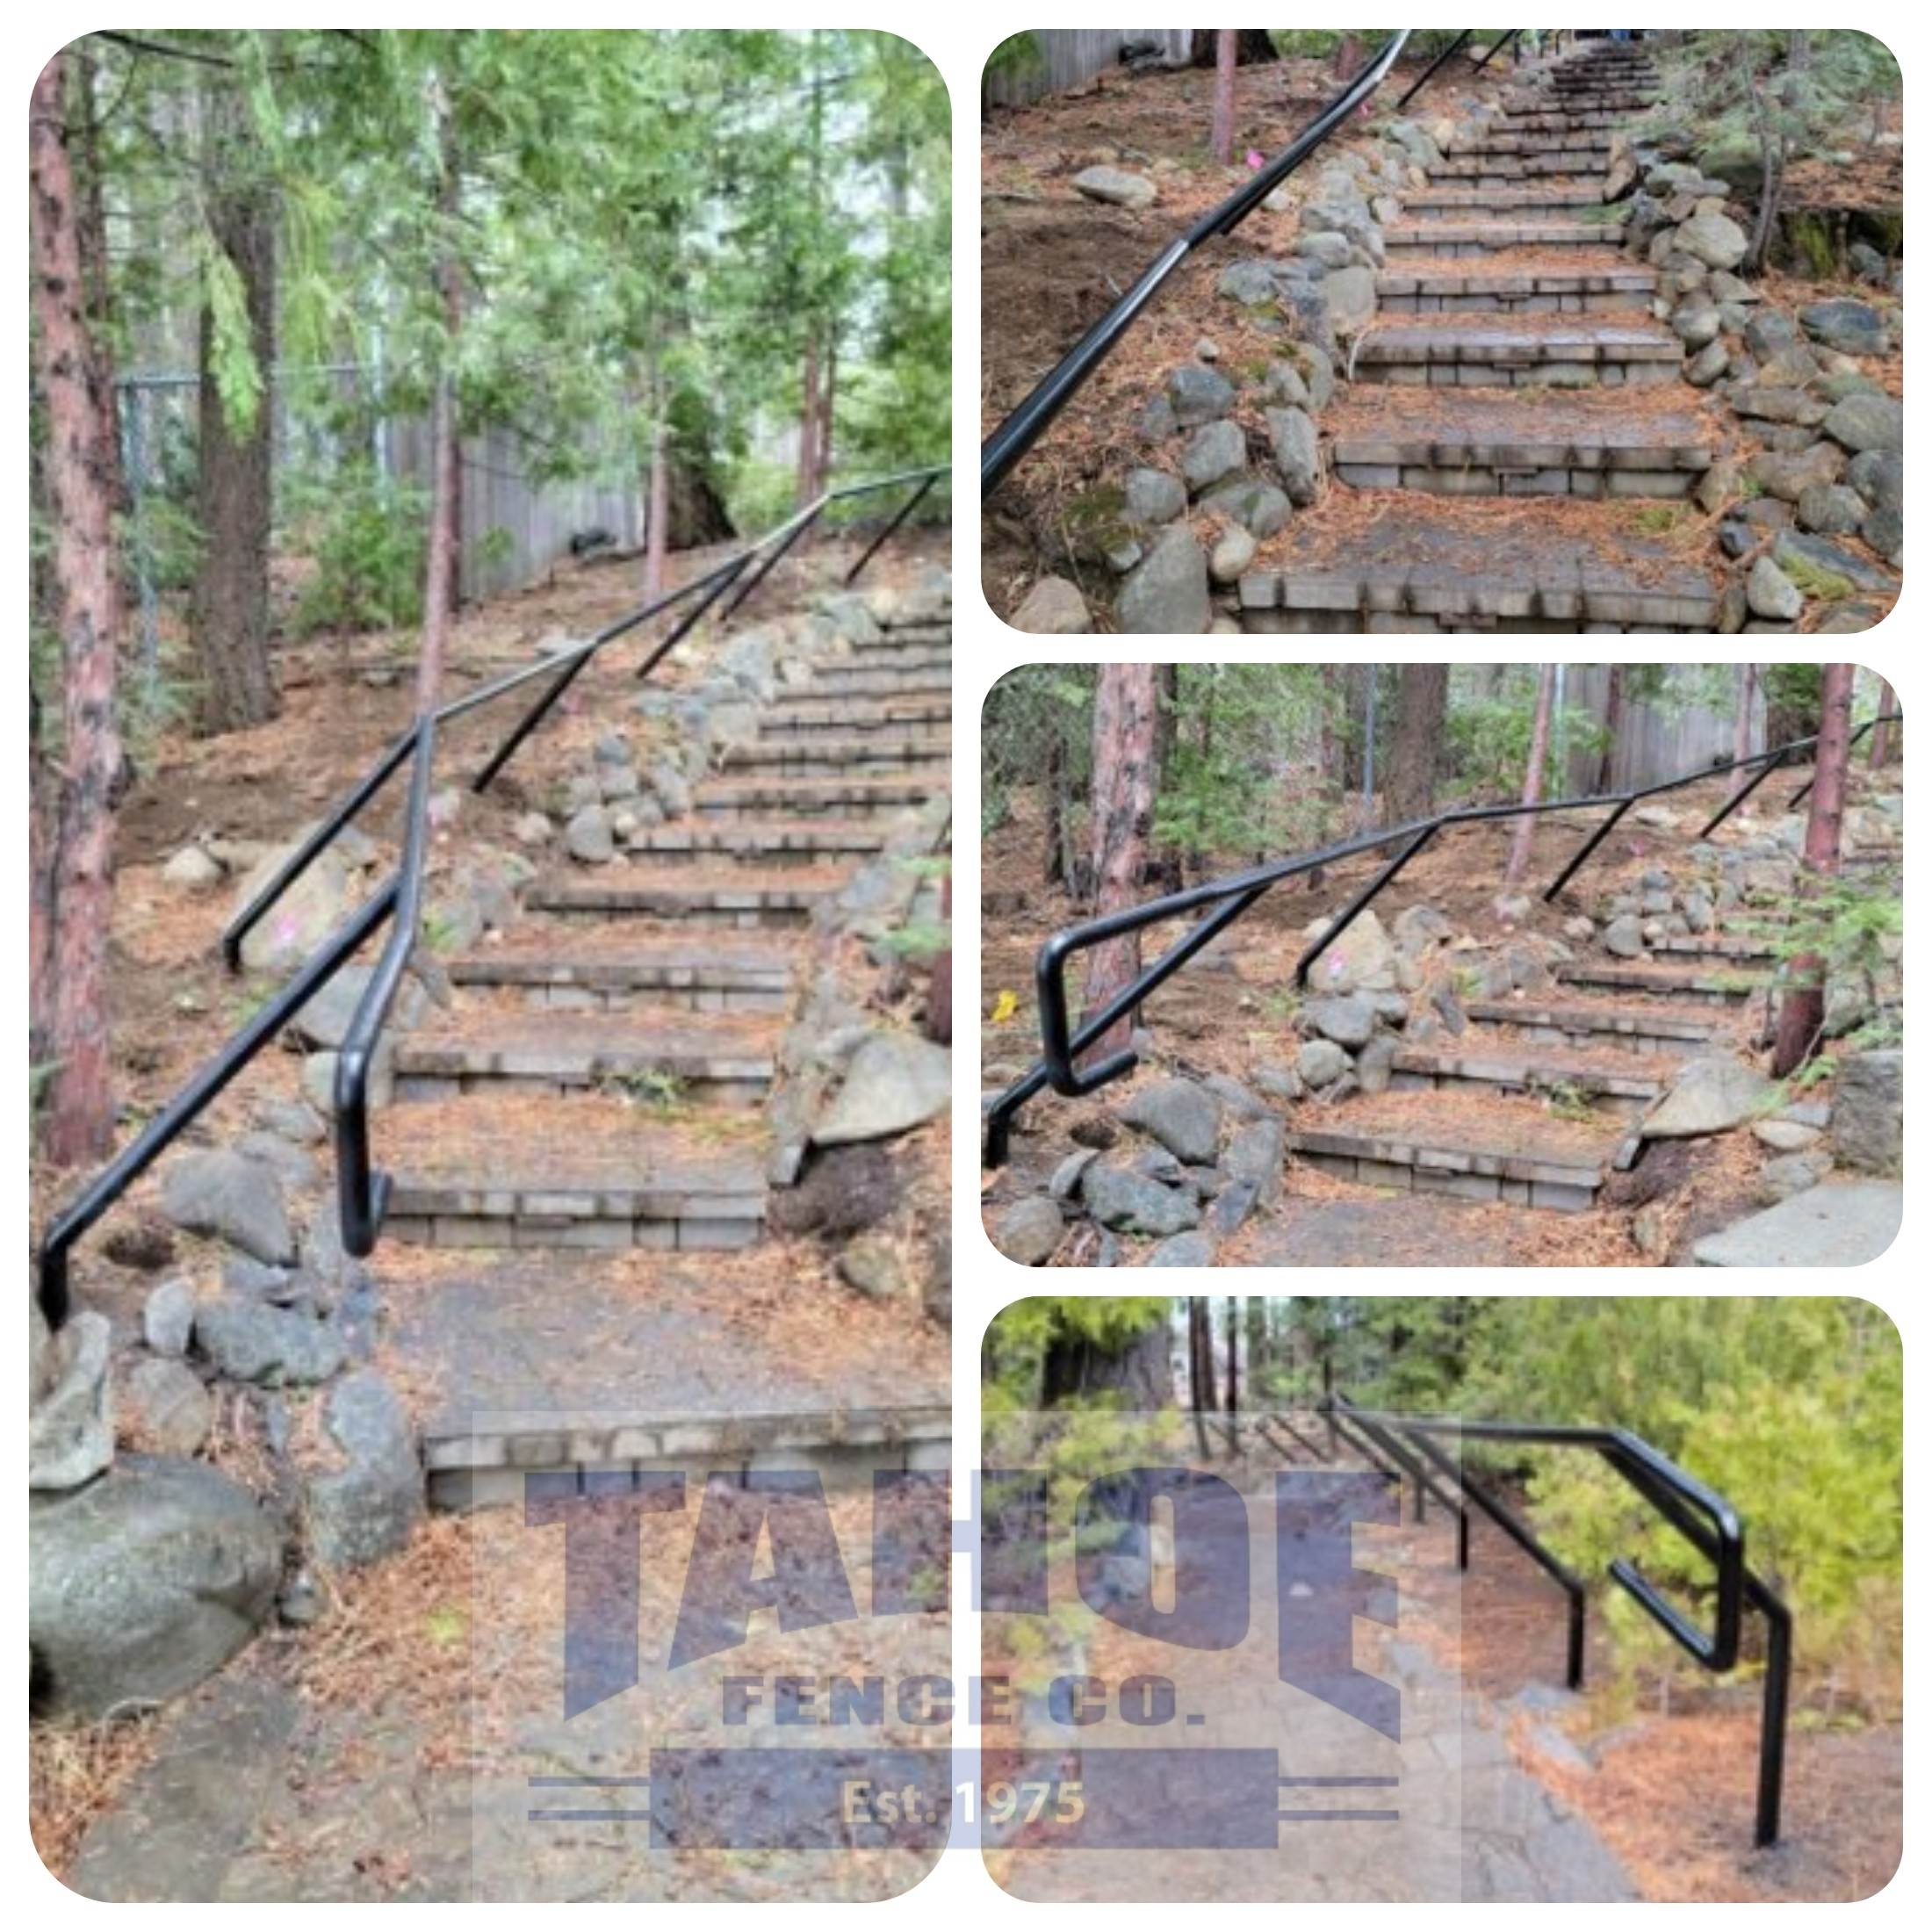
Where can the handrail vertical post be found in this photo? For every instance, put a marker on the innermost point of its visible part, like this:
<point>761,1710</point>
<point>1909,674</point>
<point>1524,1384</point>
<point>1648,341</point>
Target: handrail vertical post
<point>885,536</point>
<point>766,568</point>
<point>1595,839</point>
<point>1428,74</point>
<point>1738,798</point>
<point>1496,50</point>
<point>1360,904</point>
<point>1776,1712</point>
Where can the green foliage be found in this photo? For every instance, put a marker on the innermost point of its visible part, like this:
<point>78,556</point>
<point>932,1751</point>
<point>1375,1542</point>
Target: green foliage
<point>1489,740</point>
<point>365,536</point>
<point>1017,1340</point>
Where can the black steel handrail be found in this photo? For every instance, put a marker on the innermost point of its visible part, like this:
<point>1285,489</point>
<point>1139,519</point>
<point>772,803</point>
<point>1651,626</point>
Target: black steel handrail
<point>1062,1046</point>
<point>1024,426</point>
<point>1705,1519</point>
<point>362,1192</point>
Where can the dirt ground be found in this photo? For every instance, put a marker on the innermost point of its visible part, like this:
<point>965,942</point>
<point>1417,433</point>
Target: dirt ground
<point>1052,263</point>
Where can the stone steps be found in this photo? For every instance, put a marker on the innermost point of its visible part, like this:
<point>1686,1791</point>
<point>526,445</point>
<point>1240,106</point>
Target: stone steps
<point>1463,445</point>
<point>1514,170</point>
<point>1559,121</point>
<point>1417,563</point>
<point>833,757</point>
<point>1543,354</point>
<point>913,639</point>
<point>778,842</point>
<point>1651,1032</point>
<point>1464,1162</point>
<point>720,1059</point>
<point>1504,205</point>
<point>1495,1069</point>
<point>914,672</point>
<point>746,902</point>
<point>698,975</point>
<point>1589,148</point>
<point>1748,953</point>
<point>744,800</point>
<point>806,714</point>
<point>1413,290</point>
<point>1682,984</point>
<point>1405,241</point>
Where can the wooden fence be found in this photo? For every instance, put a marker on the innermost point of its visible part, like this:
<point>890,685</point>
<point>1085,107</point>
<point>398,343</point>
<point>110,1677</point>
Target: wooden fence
<point>1658,740</point>
<point>1069,56</point>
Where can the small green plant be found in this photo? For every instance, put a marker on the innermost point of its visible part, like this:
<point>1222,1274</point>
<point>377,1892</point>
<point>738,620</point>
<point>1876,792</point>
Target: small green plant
<point>918,941</point>
<point>365,533</point>
<point>1568,1100</point>
<point>1658,519</point>
<point>663,1093</point>
<point>1814,580</point>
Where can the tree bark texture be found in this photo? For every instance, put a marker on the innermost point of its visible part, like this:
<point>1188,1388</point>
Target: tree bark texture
<point>1123,813</point>
<point>444,558</point>
<point>1740,733</point>
<point>657,506</point>
<point>1801,1013</point>
<point>228,607</point>
<point>1882,731</point>
<point>1421,706</point>
<point>1220,137</point>
<point>1077,1366</point>
<point>71,836</point>
<point>1532,779</point>
<point>1613,726</point>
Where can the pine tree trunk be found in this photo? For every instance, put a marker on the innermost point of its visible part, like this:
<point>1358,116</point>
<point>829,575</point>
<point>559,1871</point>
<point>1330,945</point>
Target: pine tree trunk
<point>1123,813</point>
<point>1881,732</point>
<point>1533,780</point>
<point>1421,706</point>
<point>1613,729</point>
<point>445,556</point>
<point>235,482</point>
<point>1234,1356</point>
<point>1220,139</point>
<point>1741,732</point>
<point>1201,1369</point>
<point>72,837</point>
<point>1801,1013</point>
<point>808,425</point>
<point>1136,1370</point>
<point>826,391</point>
<point>657,512</point>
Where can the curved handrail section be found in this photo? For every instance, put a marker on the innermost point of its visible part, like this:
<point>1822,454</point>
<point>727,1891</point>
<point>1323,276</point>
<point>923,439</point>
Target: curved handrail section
<point>1225,900</point>
<point>1705,1519</point>
<point>1024,426</point>
<point>362,1192</point>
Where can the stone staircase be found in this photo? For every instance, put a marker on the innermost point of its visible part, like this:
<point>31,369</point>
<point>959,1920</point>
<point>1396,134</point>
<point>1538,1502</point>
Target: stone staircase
<point>1507,296</point>
<point>599,1079</point>
<point>617,1002</point>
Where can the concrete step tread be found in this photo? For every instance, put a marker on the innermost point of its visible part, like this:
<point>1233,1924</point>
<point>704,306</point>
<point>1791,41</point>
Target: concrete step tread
<point>1505,201</point>
<point>638,888</point>
<point>1718,946</point>
<point>525,1156</point>
<point>700,833</point>
<point>805,706</point>
<point>1632,1079</point>
<point>1533,432</point>
<point>540,954</point>
<point>1575,560</point>
<point>1657,1022</point>
<point>1512,1140</point>
<point>807,796</point>
<point>910,746</point>
<point>588,1046</point>
<point>1453,277</point>
<point>1663,979</point>
<point>1427,237</point>
<point>1537,337</point>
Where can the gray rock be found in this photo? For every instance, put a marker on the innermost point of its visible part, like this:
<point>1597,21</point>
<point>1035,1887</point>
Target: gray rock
<point>1862,423</point>
<point>168,1316</point>
<point>303,917</point>
<point>1234,551</point>
<point>1787,476</point>
<point>1349,298</point>
<point>366,1509</point>
<point>1166,595</point>
<point>1214,450</point>
<point>1792,1174</point>
<point>1375,1064</point>
<point>1283,386</point>
<point>1153,496</point>
<point>1253,284</point>
<point>1116,187</point>
<point>1771,594</point>
<point>1884,531</point>
<point>1331,250</point>
<point>1053,608</point>
<point>192,870</point>
<point>1065,1184</point>
<point>1417,927</point>
<point>1255,1156</point>
<point>164,1408</point>
<point>1785,1136</point>
<point>1184,1117</point>
<point>936,1280</point>
<point>1879,477</point>
<point>1259,507</point>
<point>1625,937</point>
<point>1280,1083</point>
<point>1198,395</point>
<point>1192,1250</point>
<point>296,1165</point>
<point>1854,327</point>
<point>1713,239</point>
<point>617,781</point>
<point>588,837</point>
<point>1708,1096</point>
<point>1237,1100</point>
<point>1707,365</point>
<point>1808,1114</point>
<point>1321,1063</point>
<point>895,1082</point>
<point>145,1583</point>
<point>1297,453</point>
<point>293,1120</point>
<point>1830,509</point>
<point>1132,1203</point>
<point>1697,325</point>
<point>1868,1116</point>
<point>71,1430</point>
<point>533,828</point>
<point>1442,997</point>
<point>256,1342</point>
<point>224,1194</point>
<point>1346,1018</point>
<point>1359,959</point>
